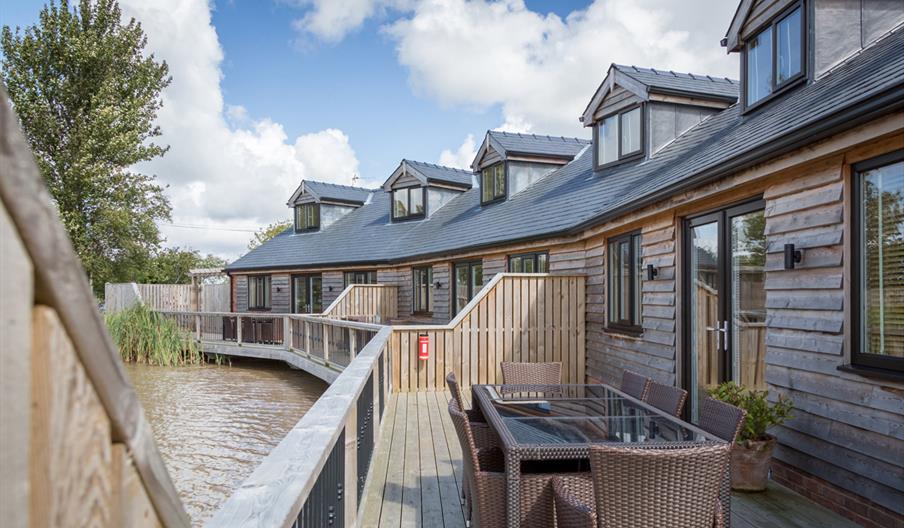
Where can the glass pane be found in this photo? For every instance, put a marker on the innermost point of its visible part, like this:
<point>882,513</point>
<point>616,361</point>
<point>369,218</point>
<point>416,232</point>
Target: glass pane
<point>400,201</point>
<point>706,366</point>
<point>529,265</point>
<point>417,201</point>
<point>300,295</point>
<point>608,140</point>
<point>759,66</point>
<point>630,132</point>
<point>515,265</point>
<point>613,283</point>
<point>624,278</point>
<point>316,295</point>
<point>500,181</point>
<point>748,300</point>
<point>543,263</point>
<point>882,261</point>
<point>476,279</point>
<point>461,287</point>
<point>788,42</point>
<point>298,218</point>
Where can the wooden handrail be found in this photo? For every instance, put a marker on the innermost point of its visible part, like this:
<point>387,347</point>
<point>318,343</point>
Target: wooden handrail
<point>61,283</point>
<point>277,490</point>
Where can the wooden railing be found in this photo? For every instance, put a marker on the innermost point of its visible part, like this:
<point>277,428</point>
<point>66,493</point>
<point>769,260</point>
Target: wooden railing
<point>76,450</point>
<point>316,475</point>
<point>332,343</point>
<point>515,317</point>
<point>371,303</point>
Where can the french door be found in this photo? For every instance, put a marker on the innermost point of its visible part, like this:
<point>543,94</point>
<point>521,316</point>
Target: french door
<point>307,294</point>
<point>468,281</point>
<point>725,300</point>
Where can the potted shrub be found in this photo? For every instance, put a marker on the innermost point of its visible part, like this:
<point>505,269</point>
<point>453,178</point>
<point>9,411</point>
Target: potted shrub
<point>752,454</point>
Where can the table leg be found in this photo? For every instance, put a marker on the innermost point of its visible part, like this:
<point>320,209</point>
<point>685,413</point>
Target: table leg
<point>513,489</point>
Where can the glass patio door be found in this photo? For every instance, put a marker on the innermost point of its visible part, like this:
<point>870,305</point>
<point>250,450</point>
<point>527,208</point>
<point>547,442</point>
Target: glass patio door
<point>307,294</point>
<point>468,281</point>
<point>725,300</point>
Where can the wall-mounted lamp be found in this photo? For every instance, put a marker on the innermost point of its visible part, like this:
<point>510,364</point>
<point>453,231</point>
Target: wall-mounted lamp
<point>329,288</point>
<point>437,285</point>
<point>652,272</point>
<point>792,256</point>
<point>278,289</point>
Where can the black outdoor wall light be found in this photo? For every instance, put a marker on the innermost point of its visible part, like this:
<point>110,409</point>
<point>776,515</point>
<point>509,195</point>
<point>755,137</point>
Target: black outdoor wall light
<point>792,256</point>
<point>652,271</point>
<point>437,285</point>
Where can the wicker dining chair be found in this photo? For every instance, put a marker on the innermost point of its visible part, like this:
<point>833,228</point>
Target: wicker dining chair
<point>634,384</point>
<point>531,373</point>
<point>666,398</point>
<point>725,421</point>
<point>640,488</point>
<point>484,471</point>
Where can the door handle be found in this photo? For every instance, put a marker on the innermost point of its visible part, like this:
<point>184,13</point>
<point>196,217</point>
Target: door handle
<point>723,328</point>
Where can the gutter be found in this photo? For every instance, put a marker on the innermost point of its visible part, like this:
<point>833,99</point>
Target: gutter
<point>876,106</point>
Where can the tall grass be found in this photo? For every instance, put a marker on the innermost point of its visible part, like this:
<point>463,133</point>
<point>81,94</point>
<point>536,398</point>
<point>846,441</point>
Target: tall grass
<point>145,336</point>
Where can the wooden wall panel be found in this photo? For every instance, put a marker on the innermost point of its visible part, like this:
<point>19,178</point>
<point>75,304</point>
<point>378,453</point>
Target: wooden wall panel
<point>520,317</point>
<point>333,284</point>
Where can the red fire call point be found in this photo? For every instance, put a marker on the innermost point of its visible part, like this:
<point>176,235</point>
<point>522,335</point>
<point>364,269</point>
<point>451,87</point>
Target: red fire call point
<point>423,347</point>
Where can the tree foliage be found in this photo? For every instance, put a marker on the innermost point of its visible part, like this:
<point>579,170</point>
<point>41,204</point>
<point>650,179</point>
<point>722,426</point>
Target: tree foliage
<point>266,233</point>
<point>87,97</point>
<point>172,265</point>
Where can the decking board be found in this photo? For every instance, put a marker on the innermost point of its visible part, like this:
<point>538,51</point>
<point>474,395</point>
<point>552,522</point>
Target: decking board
<point>416,477</point>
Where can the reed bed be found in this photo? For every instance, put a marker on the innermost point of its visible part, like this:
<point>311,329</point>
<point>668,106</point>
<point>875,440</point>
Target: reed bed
<point>145,336</point>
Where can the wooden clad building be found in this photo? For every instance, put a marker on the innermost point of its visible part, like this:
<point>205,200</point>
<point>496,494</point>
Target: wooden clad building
<point>748,230</point>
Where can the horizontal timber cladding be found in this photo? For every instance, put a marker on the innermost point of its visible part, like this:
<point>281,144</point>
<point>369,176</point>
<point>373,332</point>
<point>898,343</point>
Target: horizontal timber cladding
<point>517,317</point>
<point>240,292</point>
<point>280,292</point>
<point>332,284</point>
<point>441,295</point>
<point>846,429</point>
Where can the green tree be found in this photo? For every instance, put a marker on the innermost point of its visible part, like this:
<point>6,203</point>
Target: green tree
<point>266,233</point>
<point>171,266</point>
<point>87,97</point>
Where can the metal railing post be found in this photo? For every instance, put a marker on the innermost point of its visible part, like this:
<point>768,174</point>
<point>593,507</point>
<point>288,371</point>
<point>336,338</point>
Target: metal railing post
<point>352,343</point>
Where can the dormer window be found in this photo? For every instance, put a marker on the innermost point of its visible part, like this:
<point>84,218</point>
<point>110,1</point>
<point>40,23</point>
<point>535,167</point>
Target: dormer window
<point>492,183</point>
<point>307,217</point>
<point>774,57</point>
<point>619,137</point>
<point>408,203</point>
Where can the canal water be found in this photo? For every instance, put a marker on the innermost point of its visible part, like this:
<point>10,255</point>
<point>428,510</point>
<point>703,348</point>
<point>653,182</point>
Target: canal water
<point>214,424</point>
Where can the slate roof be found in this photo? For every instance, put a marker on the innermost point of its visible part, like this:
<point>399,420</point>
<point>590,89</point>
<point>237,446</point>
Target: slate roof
<point>331,191</point>
<point>574,196</point>
<point>670,81</point>
<point>440,173</point>
<point>511,142</point>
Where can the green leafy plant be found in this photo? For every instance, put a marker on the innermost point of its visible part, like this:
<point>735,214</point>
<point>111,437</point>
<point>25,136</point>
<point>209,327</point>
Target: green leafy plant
<point>761,414</point>
<point>145,336</point>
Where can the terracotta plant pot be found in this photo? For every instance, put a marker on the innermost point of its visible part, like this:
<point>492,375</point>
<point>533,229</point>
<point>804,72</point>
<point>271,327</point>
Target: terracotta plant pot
<point>750,464</point>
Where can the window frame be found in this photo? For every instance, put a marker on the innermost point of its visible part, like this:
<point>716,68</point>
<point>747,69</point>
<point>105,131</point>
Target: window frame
<point>410,215</point>
<point>630,326</point>
<point>268,293</point>
<point>505,184</point>
<point>859,358</point>
<point>370,274</point>
<point>535,255</point>
<point>787,84</point>
<point>415,309</point>
<point>623,157</point>
<point>316,207</point>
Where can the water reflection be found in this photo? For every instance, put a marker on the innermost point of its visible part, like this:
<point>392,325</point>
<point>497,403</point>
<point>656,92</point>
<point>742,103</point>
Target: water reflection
<point>215,424</point>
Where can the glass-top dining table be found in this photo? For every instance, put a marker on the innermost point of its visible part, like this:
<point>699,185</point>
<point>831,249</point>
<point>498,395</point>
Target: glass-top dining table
<point>561,422</point>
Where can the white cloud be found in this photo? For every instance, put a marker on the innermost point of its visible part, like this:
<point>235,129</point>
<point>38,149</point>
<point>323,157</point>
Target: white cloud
<point>542,69</point>
<point>332,20</point>
<point>461,157</point>
<point>224,168</point>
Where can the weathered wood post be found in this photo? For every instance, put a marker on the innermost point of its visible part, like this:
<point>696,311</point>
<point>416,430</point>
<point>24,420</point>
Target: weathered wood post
<point>352,343</point>
<point>326,342</point>
<point>238,329</point>
<point>307,337</point>
<point>287,332</point>
<point>198,327</point>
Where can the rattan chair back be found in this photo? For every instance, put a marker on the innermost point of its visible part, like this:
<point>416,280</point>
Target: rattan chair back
<point>641,488</point>
<point>667,398</point>
<point>531,373</point>
<point>633,384</point>
<point>721,419</point>
<point>455,389</point>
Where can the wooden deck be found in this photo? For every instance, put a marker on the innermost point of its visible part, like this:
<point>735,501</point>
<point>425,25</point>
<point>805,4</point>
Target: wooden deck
<point>417,473</point>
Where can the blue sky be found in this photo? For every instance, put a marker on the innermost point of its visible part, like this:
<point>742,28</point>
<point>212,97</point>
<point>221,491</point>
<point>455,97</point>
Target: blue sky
<point>266,93</point>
